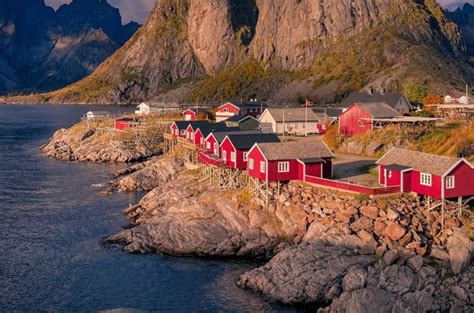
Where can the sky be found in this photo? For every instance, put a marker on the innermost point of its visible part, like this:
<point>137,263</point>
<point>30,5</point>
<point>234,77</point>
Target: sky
<point>138,10</point>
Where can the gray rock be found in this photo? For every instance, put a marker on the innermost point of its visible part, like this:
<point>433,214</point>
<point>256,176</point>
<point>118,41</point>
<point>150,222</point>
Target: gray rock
<point>306,273</point>
<point>415,263</point>
<point>460,249</point>
<point>355,278</point>
<point>390,257</point>
<point>396,279</point>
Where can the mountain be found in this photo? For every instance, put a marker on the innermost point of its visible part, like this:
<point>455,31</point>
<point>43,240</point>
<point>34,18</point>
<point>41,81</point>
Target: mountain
<point>41,49</point>
<point>464,18</point>
<point>279,49</point>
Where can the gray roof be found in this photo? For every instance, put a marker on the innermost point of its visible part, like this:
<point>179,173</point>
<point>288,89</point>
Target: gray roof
<point>331,112</point>
<point>245,142</point>
<point>195,124</point>
<point>419,161</point>
<point>293,114</point>
<point>379,109</point>
<point>294,150</point>
<point>391,98</point>
<point>163,105</point>
<point>206,129</point>
<point>220,135</point>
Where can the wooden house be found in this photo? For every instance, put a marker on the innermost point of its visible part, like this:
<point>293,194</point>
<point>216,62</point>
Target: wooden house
<point>436,176</point>
<point>203,131</point>
<point>456,99</point>
<point>252,108</point>
<point>298,121</point>
<point>287,161</point>
<point>215,138</point>
<point>193,127</point>
<point>125,123</point>
<point>242,122</point>
<point>234,148</point>
<point>396,101</point>
<point>98,115</point>
<point>179,128</point>
<point>189,115</point>
<point>359,118</point>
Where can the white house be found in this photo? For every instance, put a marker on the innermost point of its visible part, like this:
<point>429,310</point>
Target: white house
<point>297,121</point>
<point>146,108</point>
<point>456,99</point>
<point>97,115</point>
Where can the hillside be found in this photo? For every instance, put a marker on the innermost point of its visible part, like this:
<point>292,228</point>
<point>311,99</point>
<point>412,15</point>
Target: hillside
<point>42,49</point>
<point>208,49</point>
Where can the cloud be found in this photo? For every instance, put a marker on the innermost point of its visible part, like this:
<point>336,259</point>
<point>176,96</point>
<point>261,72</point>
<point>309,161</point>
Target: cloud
<point>131,10</point>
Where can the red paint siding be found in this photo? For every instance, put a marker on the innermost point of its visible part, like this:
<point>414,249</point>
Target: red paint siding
<point>189,132</point>
<point>463,182</point>
<point>293,174</point>
<point>313,170</point>
<point>257,157</point>
<point>382,175</point>
<point>226,146</point>
<point>321,128</point>
<point>350,121</point>
<point>406,186</point>
<point>189,115</point>
<point>174,130</point>
<point>197,139</point>
<point>393,178</point>
<point>433,191</point>
<point>230,109</point>
<point>122,125</point>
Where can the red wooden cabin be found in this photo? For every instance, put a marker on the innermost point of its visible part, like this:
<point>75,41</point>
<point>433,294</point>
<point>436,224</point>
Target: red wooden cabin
<point>436,176</point>
<point>215,138</point>
<point>202,132</point>
<point>178,128</point>
<point>234,148</point>
<point>125,123</point>
<point>359,118</point>
<point>252,108</point>
<point>189,115</point>
<point>287,161</point>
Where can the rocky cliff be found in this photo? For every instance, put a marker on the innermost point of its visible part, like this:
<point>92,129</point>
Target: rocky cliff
<point>41,49</point>
<point>202,49</point>
<point>464,18</point>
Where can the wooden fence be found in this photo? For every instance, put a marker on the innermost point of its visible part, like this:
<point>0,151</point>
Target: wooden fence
<point>343,186</point>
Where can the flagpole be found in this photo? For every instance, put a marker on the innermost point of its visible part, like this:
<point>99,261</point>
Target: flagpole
<point>306,119</point>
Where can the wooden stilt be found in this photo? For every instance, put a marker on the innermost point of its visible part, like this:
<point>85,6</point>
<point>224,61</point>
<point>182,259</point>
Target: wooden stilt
<point>442,215</point>
<point>460,206</point>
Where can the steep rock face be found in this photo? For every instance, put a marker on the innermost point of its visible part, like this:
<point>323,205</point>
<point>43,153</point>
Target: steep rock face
<point>281,48</point>
<point>464,18</point>
<point>44,49</point>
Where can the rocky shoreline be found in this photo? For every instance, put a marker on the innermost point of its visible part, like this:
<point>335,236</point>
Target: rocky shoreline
<point>91,144</point>
<point>332,252</point>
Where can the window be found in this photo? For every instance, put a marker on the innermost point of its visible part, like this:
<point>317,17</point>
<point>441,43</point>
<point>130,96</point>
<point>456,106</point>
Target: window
<point>232,156</point>
<point>224,155</point>
<point>425,179</point>
<point>182,131</point>
<point>262,167</point>
<point>450,182</point>
<point>226,110</point>
<point>208,145</point>
<point>192,136</point>
<point>250,164</point>
<point>246,156</point>
<point>389,174</point>
<point>283,167</point>
<point>202,141</point>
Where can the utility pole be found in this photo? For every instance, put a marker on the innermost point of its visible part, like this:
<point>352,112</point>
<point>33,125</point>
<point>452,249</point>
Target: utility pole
<point>306,118</point>
<point>284,126</point>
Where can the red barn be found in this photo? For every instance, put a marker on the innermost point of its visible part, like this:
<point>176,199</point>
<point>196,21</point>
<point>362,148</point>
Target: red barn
<point>125,123</point>
<point>436,176</point>
<point>189,115</point>
<point>359,118</point>
<point>234,148</point>
<point>252,108</point>
<point>287,161</point>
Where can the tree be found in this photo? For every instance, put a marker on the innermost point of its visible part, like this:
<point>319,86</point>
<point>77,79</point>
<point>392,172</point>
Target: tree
<point>416,93</point>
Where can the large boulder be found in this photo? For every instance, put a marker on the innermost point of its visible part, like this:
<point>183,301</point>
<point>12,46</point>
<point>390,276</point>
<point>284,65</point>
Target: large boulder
<point>460,249</point>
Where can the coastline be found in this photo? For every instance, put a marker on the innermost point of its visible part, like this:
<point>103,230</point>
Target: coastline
<point>185,215</point>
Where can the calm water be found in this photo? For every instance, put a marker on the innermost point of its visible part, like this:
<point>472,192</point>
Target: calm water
<point>52,219</point>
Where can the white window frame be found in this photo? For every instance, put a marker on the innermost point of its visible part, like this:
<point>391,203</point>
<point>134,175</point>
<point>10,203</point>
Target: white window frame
<point>183,132</point>
<point>192,136</point>
<point>262,167</point>
<point>202,140</point>
<point>208,145</point>
<point>233,156</point>
<point>426,179</point>
<point>251,164</point>
<point>246,156</point>
<point>224,155</point>
<point>450,182</point>
<point>284,167</point>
